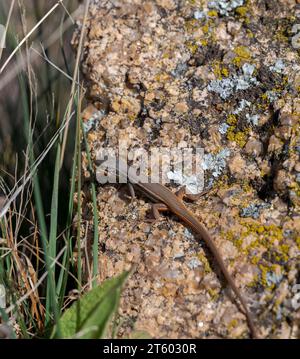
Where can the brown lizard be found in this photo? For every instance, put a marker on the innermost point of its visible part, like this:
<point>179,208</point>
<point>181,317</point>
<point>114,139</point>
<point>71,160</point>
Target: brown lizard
<point>166,200</point>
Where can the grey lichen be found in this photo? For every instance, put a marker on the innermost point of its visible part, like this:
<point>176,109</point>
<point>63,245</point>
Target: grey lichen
<point>93,121</point>
<point>227,86</point>
<point>242,105</point>
<point>253,210</point>
<point>215,163</point>
<point>198,15</point>
<point>224,7</point>
<point>194,263</point>
<point>272,96</point>
<point>223,128</point>
<point>278,67</point>
<point>252,119</point>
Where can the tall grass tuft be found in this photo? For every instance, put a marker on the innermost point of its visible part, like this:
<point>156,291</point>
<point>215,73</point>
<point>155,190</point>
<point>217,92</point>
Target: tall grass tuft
<point>40,175</point>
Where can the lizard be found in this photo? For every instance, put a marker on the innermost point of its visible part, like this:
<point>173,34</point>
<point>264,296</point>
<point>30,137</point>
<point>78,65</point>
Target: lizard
<point>165,200</point>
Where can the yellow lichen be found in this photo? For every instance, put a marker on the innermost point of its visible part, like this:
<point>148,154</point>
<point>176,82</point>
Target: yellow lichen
<point>280,36</point>
<point>250,34</point>
<point>220,70</point>
<point>191,25</point>
<point>240,137</point>
<point>233,323</point>
<point>205,262</point>
<point>213,293</point>
<point>192,47</point>
<point>205,28</point>
<point>231,119</point>
<point>270,237</point>
<point>162,77</point>
<point>243,55</point>
<point>242,10</point>
<point>212,13</point>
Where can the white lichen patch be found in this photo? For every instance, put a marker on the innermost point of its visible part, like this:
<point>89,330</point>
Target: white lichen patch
<point>93,121</point>
<point>252,119</point>
<point>216,163</point>
<point>271,96</point>
<point>224,7</point>
<point>242,105</point>
<point>223,128</point>
<point>278,67</point>
<point>227,86</point>
<point>199,15</point>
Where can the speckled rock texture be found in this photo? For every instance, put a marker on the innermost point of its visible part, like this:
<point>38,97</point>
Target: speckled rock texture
<point>223,75</point>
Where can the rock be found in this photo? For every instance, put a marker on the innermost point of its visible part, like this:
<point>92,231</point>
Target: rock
<point>166,74</point>
<point>254,147</point>
<point>237,166</point>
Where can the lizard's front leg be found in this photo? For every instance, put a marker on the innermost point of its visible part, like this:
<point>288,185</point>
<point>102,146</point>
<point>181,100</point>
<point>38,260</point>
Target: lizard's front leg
<point>156,209</point>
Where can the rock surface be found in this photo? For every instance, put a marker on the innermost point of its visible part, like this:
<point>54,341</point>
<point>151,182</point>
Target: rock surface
<point>223,75</point>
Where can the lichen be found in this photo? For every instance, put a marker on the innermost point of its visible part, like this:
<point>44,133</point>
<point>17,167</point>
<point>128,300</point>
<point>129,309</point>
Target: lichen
<point>239,137</point>
<point>225,7</point>
<point>243,55</point>
<point>220,70</point>
<point>205,262</point>
<point>253,210</point>
<point>242,10</point>
<point>229,85</point>
<point>215,163</point>
<point>192,46</point>
<point>212,13</point>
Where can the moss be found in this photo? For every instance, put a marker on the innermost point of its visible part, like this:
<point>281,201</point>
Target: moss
<point>246,186</point>
<point>255,260</point>
<point>237,241</point>
<point>247,21</point>
<point>225,72</point>
<point>243,51</point>
<point>260,229</point>
<point>281,36</point>
<point>244,11</point>
<point>132,117</point>
<point>254,282</point>
<point>264,271</point>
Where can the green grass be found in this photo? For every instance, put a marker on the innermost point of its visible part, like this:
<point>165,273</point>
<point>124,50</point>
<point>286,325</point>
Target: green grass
<point>38,234</point>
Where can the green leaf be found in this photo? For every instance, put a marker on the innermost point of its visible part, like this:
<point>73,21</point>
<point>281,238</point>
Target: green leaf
<point>89,316</point>
<point>140,334</point>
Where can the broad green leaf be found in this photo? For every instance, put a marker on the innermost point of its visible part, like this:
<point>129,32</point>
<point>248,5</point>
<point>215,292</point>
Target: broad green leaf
<point>88,317</point>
